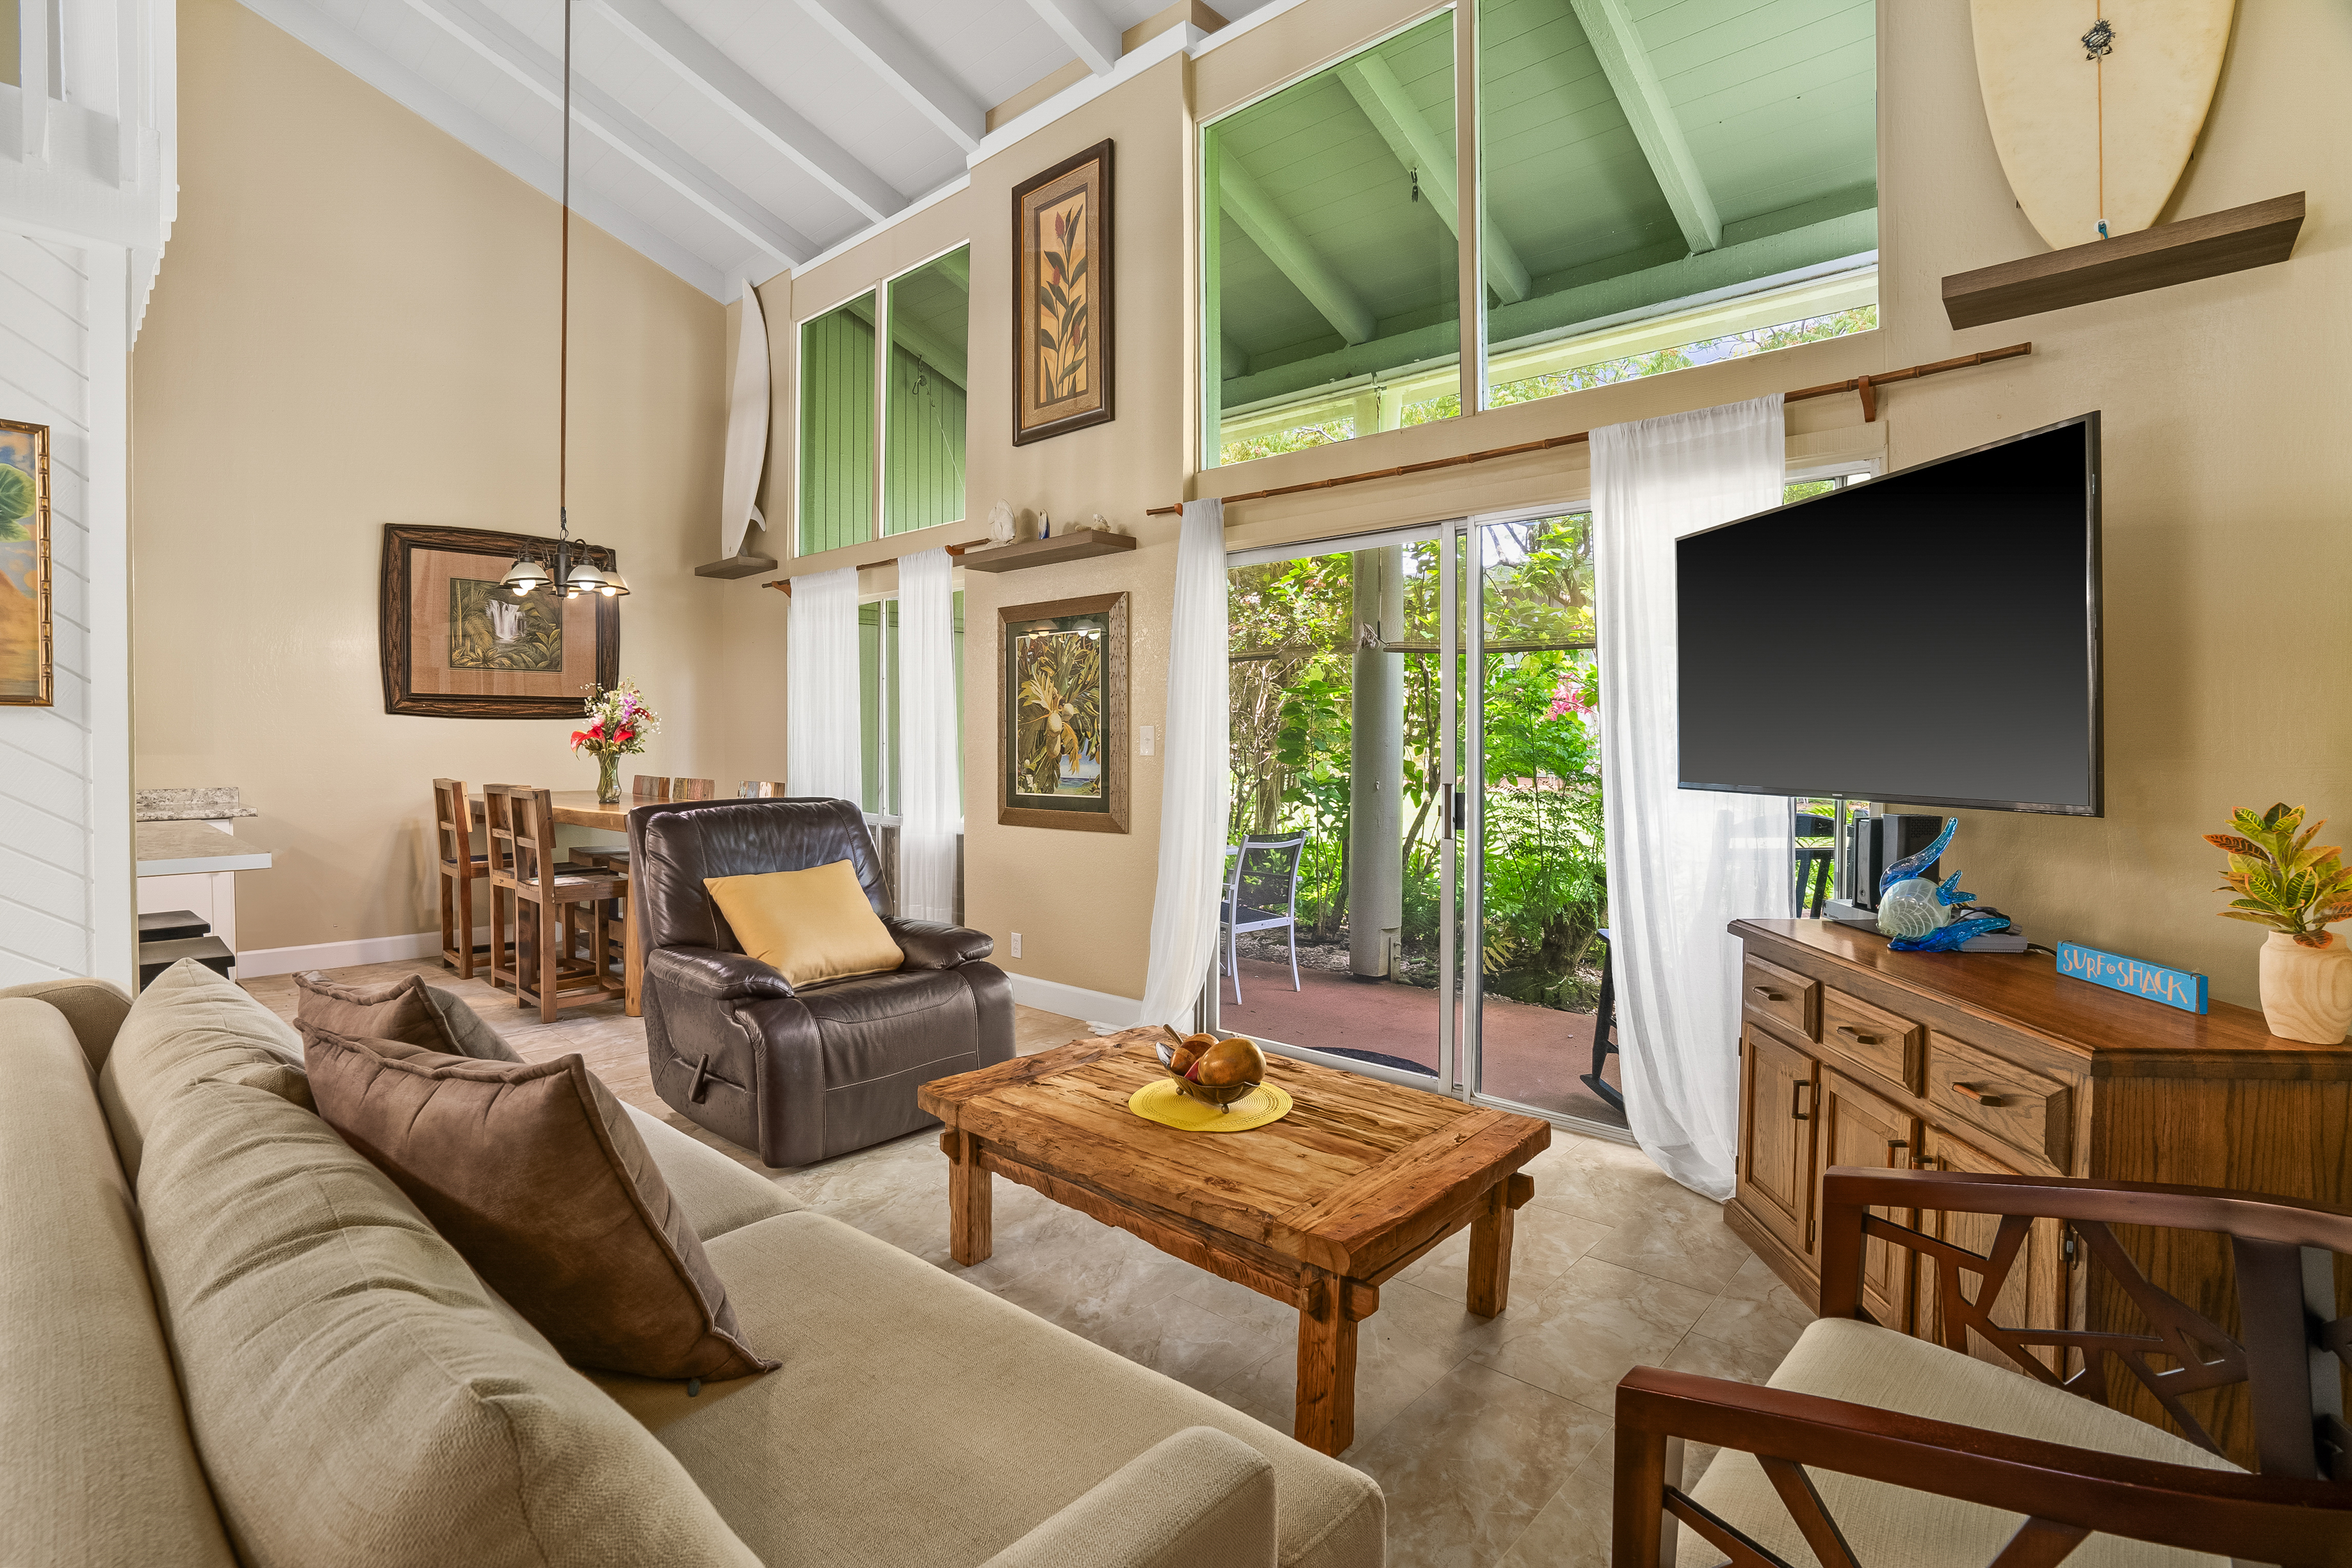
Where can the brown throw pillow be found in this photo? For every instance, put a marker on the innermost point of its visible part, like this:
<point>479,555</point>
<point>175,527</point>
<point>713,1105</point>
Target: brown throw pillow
<point>533,1172</point>
<point>401,1010</point>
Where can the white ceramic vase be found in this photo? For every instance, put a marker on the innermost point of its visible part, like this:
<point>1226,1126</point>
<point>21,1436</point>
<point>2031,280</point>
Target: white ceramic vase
<point>2307,991</point>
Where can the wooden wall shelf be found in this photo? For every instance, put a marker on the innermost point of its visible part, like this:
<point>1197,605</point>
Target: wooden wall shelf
<point>1081,545</point>
<point>2204,246</point>
<point>737,566</point>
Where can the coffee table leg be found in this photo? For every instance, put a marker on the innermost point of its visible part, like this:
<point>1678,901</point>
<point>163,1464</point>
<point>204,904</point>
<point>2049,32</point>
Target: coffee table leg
<point>1326,1370</point>
<point>1490,1255</point>
<point>970,1222</point>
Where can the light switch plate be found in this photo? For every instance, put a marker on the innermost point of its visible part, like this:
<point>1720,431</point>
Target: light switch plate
<point>1143,738</point>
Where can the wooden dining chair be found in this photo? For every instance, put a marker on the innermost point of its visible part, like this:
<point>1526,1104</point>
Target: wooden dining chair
<point>762,789</point>
<point>556,908</point>
<point>456,870</point>
<point>694,788</point>
<point>649,786</point>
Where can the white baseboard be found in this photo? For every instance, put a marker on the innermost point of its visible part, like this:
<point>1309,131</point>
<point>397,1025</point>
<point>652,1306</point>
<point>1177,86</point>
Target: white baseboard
<point>1076,1002</point>
<point>259,961</point>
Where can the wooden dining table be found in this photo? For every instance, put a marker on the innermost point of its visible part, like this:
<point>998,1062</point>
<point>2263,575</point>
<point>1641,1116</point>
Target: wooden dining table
<point>580,809</point>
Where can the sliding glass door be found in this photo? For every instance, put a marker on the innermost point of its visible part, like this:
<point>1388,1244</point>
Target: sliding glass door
<point>1415,865</point>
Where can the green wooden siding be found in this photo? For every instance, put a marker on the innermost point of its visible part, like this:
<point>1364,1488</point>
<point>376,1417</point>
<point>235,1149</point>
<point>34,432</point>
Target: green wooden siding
<point>922,449</point>
<point>836,396</point>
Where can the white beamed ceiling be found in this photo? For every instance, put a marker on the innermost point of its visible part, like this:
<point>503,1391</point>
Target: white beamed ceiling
<point>693,184</point>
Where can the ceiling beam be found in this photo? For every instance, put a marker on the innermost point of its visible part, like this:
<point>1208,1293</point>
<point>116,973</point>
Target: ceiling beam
<point>489,35</point>
<point>1382,97</point>
<point>905,67</point>
<point>429,103</point>
<point>1091,35</point>
<point>1240,195</point>
<point>705,68</point>
<point>1625,61</point>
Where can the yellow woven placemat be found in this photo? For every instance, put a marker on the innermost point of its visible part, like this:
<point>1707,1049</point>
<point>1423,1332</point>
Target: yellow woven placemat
<point>1161,1101</point>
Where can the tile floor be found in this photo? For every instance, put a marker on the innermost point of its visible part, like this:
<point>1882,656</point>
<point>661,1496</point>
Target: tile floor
<point>1490,1437</point>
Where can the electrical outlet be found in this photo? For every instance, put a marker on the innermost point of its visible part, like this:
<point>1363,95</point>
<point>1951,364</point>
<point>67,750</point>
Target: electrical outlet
<point>1143,739</point>
<point>1016,943</point>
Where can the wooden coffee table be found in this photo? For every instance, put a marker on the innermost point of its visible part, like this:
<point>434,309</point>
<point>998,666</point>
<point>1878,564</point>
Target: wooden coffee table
<point>1318,1209</point>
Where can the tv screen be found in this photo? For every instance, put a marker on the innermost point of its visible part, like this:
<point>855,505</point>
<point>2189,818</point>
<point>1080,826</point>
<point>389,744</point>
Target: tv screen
<point>1930,637</point>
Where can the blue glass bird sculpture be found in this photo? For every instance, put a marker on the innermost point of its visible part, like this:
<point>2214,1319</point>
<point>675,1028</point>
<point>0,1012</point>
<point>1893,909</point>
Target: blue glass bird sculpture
<point>1918,914</point>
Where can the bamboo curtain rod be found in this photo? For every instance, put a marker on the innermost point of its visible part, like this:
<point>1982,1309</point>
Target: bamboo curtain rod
<point>1866,385</point>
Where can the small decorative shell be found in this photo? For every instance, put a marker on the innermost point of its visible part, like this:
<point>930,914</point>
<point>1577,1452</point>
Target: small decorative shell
<point>1911,909</point>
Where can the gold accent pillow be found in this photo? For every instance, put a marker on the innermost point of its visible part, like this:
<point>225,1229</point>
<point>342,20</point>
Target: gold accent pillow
<point>808,925</point>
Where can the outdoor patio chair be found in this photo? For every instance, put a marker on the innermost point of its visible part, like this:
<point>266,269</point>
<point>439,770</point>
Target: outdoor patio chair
<point>1264,879</point>
<point>1813,862</point>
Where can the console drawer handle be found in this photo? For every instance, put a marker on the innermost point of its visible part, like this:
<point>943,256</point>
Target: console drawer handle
<point>1795,1101</point>
<point>1858,1039</point>
<point>1979,1096</point>
<point>1768,993</point>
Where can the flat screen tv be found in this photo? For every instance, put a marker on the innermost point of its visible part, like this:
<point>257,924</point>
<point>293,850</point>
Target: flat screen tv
<point>1930,637</point>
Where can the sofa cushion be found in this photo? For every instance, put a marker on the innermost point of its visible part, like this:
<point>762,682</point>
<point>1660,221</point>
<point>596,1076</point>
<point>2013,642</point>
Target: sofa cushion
<point>474,1038</point>
<point>94,1008</point>
<point>977,1420</point>
<point>189,1025</point>
<point>356,1395</point>
<point>718,1193</point>
<point>810,925</point>
<point>1201,1498</point>
<point>96,1466</point>
<point>539,1178</point>
<point>402,1009</point>
<point>1843,1358</point>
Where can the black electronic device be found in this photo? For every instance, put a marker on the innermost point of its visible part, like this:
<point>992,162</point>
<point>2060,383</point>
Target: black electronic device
<point>1874,843</point>
<point>1927,638</point>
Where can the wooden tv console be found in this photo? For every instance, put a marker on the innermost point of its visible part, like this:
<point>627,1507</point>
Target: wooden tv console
<point>1852,1054</point>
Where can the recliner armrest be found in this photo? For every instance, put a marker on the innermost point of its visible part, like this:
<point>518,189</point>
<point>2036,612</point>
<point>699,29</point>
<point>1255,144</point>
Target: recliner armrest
<point>715,976</point>
<point>931,946</point>
<point>1201,1498</point>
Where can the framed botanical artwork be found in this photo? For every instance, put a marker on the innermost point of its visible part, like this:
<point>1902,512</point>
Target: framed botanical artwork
<point>27,668</point>
<point>458,644</point>
<point>1062,317</point>
<point>1061,689</point>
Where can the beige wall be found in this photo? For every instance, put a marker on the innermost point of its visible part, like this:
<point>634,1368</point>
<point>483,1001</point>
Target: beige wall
<point>357,325</point>
<point>2225,401</point>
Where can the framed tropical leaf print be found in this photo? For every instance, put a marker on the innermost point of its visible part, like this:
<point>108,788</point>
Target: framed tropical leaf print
<point>1061,315</point>
<point>1062,684</point>
<point>27,666</point>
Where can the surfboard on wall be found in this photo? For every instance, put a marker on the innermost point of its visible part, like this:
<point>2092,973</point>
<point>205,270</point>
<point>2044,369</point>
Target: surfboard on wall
<point>2086,136</point>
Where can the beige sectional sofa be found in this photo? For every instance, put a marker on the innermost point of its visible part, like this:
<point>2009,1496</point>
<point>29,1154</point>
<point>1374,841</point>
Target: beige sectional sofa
<point>226,1337</point>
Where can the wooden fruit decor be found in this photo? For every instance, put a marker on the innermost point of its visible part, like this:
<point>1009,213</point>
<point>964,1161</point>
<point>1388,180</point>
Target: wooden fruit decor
<point>1214,1071</point>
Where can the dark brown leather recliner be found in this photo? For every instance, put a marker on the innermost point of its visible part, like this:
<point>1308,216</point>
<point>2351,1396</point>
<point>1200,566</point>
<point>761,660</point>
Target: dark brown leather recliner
<point>808,1073</point>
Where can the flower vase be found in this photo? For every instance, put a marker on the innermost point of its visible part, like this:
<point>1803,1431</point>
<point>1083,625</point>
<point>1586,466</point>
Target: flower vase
<point>608,779</point>
<point>2307,991</point>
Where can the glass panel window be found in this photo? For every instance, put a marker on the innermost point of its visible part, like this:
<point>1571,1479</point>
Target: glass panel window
<point>877,708</point>
<point>923,422</point>
<point>837,399</point>
<point>1329,263</point>
<point>1692,181</point>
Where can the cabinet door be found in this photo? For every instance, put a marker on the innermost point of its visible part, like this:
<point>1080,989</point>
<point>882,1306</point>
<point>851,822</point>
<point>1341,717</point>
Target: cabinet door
<point>1779,1086</point>
<point>2033,1296</point>
<point>1858,1128</point>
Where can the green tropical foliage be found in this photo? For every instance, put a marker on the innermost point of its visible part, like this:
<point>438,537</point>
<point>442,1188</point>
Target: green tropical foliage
<point>2281,881</point>
<point>1060,717</point>
<point>16,501</point>
<point>1062,308</point>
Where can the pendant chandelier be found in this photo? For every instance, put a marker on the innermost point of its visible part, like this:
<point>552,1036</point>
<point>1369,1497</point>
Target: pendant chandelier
<point>573,568</point>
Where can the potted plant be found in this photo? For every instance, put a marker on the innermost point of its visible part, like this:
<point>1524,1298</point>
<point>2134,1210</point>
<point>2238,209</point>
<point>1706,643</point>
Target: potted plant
<point>619,722</point>
<point>2298,891</point>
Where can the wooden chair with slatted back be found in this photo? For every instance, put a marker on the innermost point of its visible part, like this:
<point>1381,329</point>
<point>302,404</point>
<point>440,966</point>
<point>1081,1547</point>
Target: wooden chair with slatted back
<point>694,788</point>
<point>555,906</point>
<point>643,787</point>
<point>762,789</point>
<point>457,869</point>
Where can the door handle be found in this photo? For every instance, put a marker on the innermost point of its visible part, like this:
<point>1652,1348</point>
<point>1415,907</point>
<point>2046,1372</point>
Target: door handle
<point>1795,1101</point>
<point>1461,799</point>
<point>1849,1032</point>
<point>1446,823</point>
<point>1768,993</point>
<point>1979,1096</point>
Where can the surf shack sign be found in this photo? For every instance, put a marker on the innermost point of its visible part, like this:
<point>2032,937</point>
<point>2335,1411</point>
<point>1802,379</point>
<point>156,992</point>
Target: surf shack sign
<point>2173,987</point>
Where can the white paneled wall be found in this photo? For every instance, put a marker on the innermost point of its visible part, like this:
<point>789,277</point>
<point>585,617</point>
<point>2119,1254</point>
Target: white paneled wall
<point>66,873</point>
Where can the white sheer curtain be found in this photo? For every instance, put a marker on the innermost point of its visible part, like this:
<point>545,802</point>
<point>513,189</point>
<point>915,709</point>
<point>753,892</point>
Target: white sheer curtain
<point>1681,862</point>
<point>930,791</point>
<point>1196,775</point>
<point>821,686</point>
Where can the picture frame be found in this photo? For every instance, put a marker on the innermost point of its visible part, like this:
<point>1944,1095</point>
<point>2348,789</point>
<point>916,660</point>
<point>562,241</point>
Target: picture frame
<point>1062,660</point>
<point>27,630</point>
<point>455,644</point>
<point>1065,359</point>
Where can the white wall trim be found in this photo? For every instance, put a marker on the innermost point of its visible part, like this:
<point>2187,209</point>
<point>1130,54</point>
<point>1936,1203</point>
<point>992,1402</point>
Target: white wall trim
<point>1233,30</point>
<point>1070,1001</point>
<point>924,202</point>
<point>1184,37</point>
<point>262,961</point>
